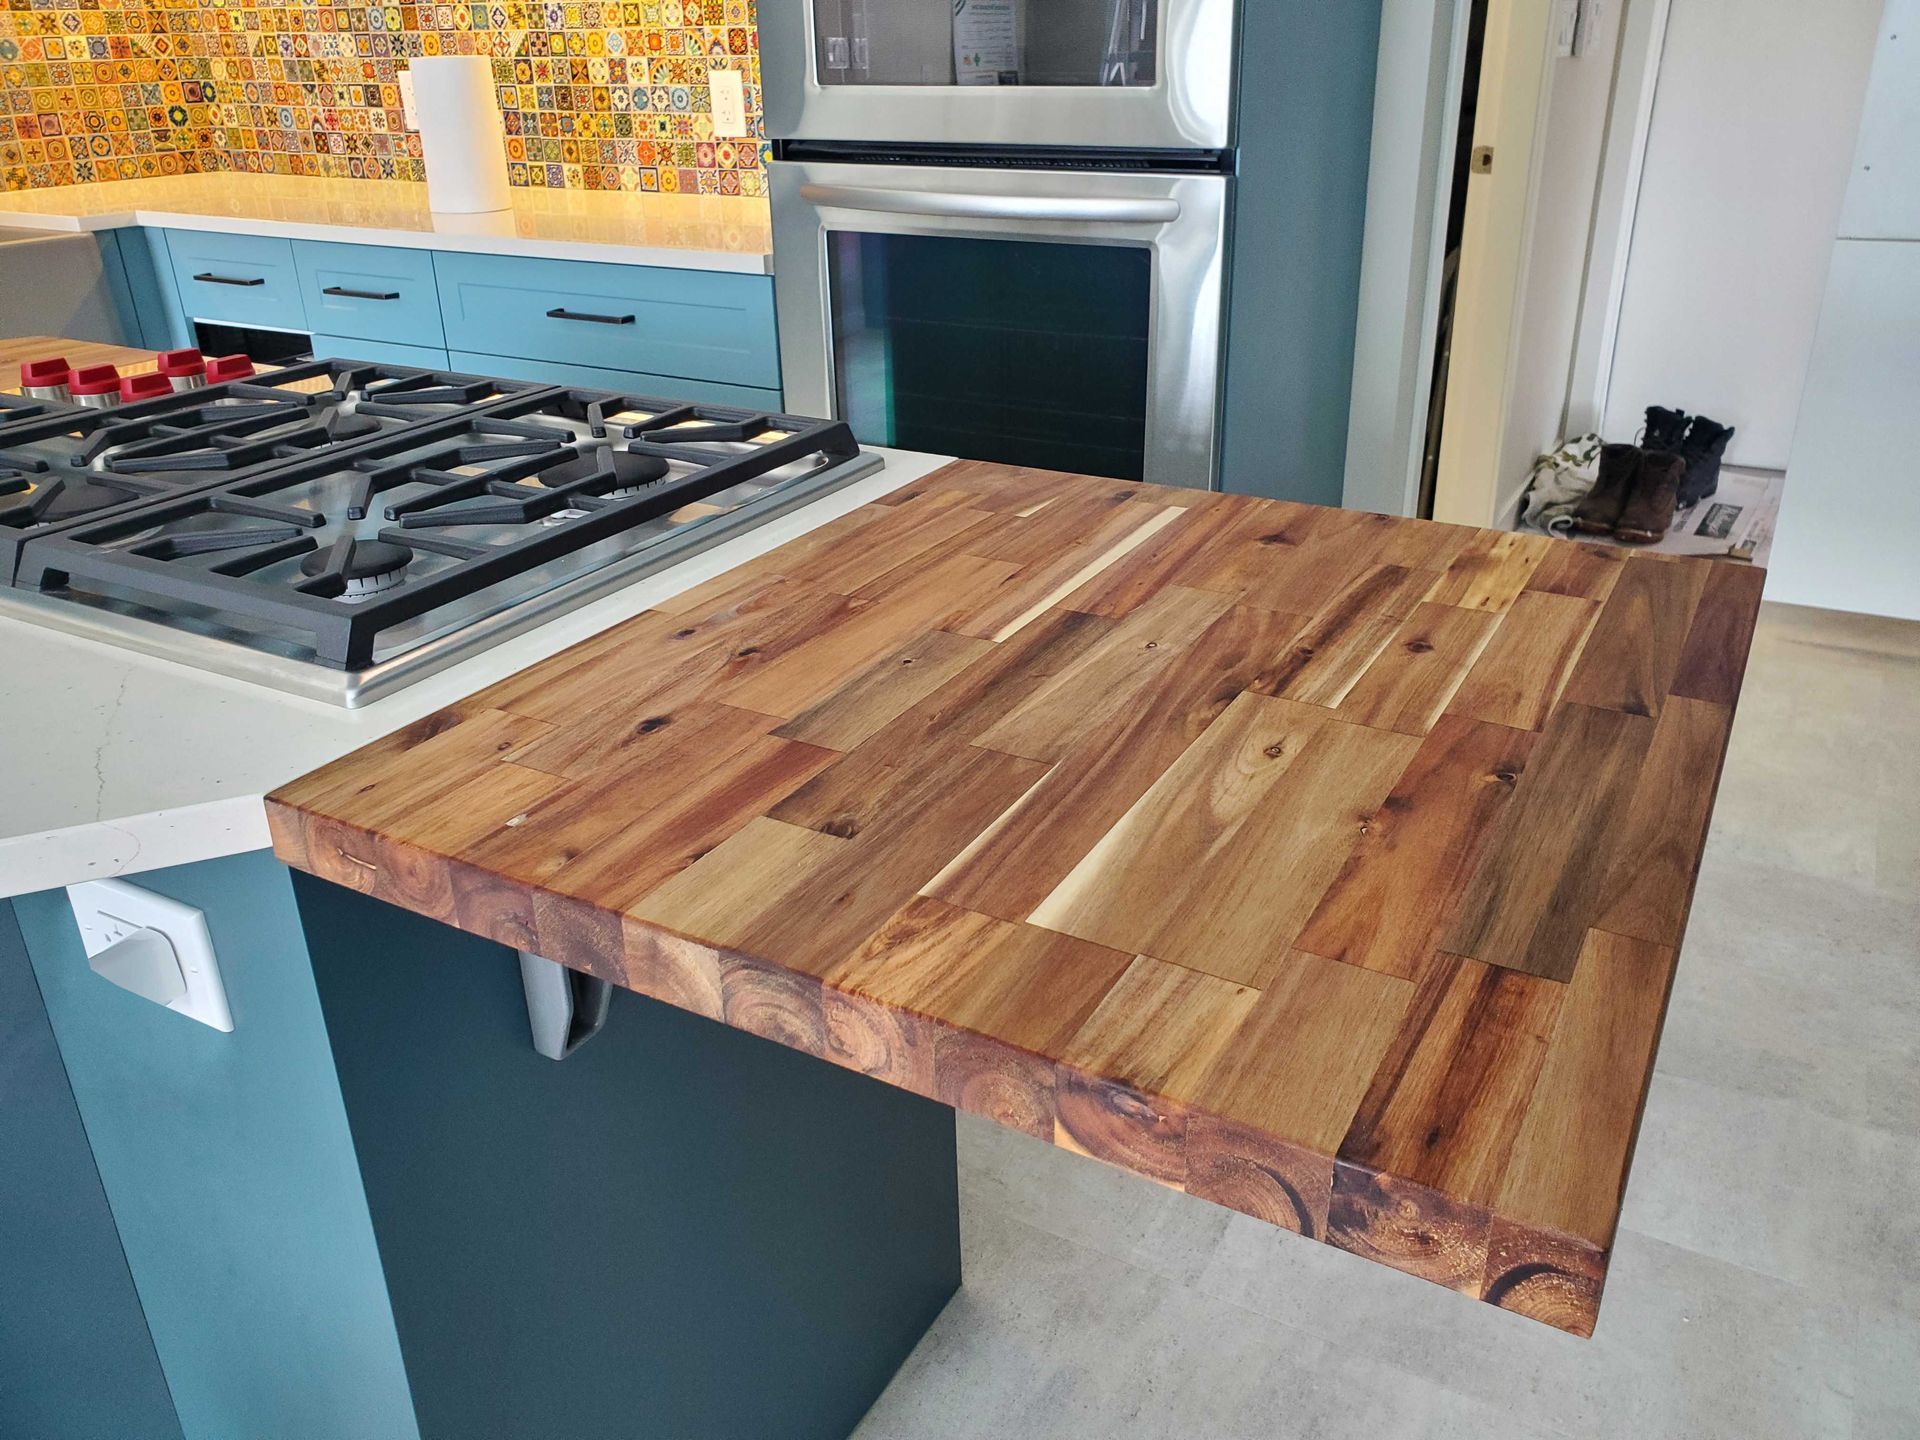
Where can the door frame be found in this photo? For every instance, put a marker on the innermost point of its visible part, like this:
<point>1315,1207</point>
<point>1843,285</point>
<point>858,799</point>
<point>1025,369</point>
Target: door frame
<point>1416,114</point>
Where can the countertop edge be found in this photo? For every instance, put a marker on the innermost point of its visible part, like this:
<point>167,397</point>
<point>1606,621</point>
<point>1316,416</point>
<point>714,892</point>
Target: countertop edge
<point>1347,1205</point>
<point>94,850</point>
<point>522,247</point>
<point>50,857</point>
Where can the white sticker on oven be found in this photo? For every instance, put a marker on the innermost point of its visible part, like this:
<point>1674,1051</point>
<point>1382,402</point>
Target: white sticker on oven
<point>986,42</point>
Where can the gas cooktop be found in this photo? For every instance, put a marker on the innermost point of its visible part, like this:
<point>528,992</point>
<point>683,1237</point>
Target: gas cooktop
<point>342,541</point>
<point>60,463</point>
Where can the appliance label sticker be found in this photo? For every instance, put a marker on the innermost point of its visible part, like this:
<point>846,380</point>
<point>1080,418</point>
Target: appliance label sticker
<point>986,42</point>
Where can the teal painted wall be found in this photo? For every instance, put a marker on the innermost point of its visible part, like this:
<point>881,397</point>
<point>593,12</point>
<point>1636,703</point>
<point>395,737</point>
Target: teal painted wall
<point>231,1174</point>
<point>1305,127</point>
<point>76,1361</point>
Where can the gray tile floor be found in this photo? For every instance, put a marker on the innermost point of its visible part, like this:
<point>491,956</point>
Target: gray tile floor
<point>1766,1281</point>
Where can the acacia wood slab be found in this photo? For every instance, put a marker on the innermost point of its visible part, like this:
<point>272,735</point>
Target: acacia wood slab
<point>1329,866</point>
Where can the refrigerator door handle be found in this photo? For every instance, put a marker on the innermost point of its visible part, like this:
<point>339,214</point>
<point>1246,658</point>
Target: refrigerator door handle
<point>1093,208</point>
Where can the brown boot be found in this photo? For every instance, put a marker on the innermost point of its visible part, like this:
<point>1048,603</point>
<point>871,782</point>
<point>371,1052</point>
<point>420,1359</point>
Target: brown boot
<point>1600,511</point>
<point>1656,491</point>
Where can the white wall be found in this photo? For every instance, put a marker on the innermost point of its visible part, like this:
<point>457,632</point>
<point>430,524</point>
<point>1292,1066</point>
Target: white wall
<point>1845,539</point>
<point>1569,146</point>
<point>1754,121</point>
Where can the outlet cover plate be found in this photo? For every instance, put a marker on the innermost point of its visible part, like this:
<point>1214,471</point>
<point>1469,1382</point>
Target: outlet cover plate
<point>111,911</point>
<point>728,88</point>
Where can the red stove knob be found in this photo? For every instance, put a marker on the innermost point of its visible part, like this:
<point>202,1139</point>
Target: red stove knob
<point>52,373</point>
<point>144,387</point>
<point>183,369</point>
<point>95,386</point>
<point>228,367</point>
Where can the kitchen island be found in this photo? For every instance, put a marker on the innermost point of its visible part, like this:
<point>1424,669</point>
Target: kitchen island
<point>1327,865</point>
<point>276,1315</point>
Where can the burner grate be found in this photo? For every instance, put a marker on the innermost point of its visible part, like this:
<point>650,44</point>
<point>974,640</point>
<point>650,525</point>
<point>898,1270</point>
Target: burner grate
<point>526,489</point>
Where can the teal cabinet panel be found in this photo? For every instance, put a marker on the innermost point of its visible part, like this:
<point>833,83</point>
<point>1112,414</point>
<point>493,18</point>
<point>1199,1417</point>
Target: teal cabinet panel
<point>640,319</point>
<point>76,1361</point>
<point>375,292</point>
<point>667,387</point>
<point>237,279</point>
<point>680,1232</point>
<point>230,1170</point>
<point>145,287</point>
<point>383,352</point>
<point>1304,113</point>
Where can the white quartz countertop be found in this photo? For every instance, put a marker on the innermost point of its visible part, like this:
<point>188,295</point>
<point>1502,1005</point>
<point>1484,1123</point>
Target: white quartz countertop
<point>115,762</point>
<point>685,232</point>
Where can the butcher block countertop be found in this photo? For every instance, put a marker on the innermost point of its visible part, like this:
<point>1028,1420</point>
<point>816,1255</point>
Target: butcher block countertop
<point>1329,866</point>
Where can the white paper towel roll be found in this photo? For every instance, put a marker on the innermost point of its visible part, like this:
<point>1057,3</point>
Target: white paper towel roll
<point>460,136</point>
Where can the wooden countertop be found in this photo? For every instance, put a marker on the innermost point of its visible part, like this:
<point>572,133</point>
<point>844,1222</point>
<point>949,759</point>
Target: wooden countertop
<point>78,353</point>
<point>1326,865</point>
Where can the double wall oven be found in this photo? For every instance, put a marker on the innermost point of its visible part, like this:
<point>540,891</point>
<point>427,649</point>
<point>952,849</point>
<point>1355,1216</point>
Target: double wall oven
<point>1000,226</point>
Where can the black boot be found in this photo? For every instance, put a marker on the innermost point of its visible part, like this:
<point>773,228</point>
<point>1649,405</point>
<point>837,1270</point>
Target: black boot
<point>1703,448</point>
<point>1599,511</point>
<point>1666,429</point>
<point>1656,489</point>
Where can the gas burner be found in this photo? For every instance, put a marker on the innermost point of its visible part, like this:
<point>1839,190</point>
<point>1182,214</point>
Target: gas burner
<point>608,474</point>
<point>353,569</point>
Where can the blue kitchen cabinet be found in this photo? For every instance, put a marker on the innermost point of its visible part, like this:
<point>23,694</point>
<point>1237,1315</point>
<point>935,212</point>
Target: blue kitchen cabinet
<point>369,292</point>
<point>140,275</point>
<point>243,280</point>
<point>383,352</point>
<point>680,334</point>
<point>667,387</point>
<point>686,323</point>
<point>228,1164</point>
<point>76,1359</point>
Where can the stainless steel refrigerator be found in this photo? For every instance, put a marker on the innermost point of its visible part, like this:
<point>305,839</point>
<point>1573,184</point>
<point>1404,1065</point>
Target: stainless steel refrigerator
<point>1114,236</point>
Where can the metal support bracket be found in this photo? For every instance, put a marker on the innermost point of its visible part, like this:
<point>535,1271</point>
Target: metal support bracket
<point>565,1008</point>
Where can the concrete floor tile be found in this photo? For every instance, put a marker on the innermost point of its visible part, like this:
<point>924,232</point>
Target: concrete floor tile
<point>1886,1402</point>
<point>1766,1285</point>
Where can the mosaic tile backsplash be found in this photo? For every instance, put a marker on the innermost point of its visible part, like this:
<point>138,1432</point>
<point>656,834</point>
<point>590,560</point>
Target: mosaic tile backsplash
<point>596,95</point>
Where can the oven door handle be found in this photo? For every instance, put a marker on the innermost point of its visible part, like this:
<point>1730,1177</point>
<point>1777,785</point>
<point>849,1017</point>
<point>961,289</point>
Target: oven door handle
<point>1095,208</point>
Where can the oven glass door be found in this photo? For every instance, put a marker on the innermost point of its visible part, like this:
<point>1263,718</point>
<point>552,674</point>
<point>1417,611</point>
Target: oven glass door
<point>1061,319</point>
<point>1024,352</point>
<point>986,42</point>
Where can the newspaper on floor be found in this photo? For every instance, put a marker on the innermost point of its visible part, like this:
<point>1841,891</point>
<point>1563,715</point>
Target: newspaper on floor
<point>1736,521</point>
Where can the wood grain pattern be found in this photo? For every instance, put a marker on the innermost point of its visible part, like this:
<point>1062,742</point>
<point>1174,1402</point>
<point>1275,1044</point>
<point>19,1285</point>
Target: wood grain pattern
<point>1250,847</point>
<point>1519,676</point>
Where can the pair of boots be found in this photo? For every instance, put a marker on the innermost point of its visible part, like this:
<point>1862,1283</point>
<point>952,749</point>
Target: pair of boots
<point>1676,465</point>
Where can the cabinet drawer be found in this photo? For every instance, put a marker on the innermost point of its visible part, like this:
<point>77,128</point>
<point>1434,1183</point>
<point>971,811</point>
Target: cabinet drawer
<point>663,387</point>
<point>381,352</point>
<point>375,292</point>
<point>649,321</point>
<point>237,279</point>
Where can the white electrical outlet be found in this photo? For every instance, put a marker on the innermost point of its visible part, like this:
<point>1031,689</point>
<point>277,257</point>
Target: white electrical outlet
<point>407,112</point>
<point>729,91</point>
<point>153,946</point>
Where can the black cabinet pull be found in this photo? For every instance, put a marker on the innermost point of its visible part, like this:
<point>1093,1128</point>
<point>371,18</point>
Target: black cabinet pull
<point>344,293</point>
<point>562,313</point>
<point>229,280</point>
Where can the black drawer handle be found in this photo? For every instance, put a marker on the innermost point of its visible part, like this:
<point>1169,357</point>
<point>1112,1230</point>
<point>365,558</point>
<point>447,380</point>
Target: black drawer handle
<point>565,314</point>
<point>347,294</point>
<point>229,280</point>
